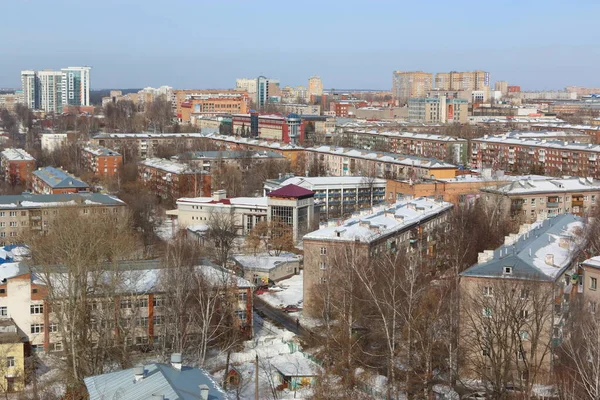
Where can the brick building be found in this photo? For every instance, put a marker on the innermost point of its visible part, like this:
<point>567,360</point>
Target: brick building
<point>17,166</point>
<point>171,180</point>
<point>50,180</point>
<point>102,161</point>
<point>212,104</point>
<point>147,144</point>
<point>289,129</point>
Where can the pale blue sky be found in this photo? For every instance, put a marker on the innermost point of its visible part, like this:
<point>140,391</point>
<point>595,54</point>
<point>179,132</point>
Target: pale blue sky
<point>350,44</point>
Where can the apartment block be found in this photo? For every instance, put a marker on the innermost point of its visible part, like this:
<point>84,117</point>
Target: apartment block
<point>475,80</point>
<point>211,160</point>
<point>402,226</point>
<point>17,166</point>
<point>50,180</point>
<point>101,161</point>
<point>406,85</point>
<point>12,354</point>
<point>509,152</point>
<point>442,147</point>
<point>288,129</point>
<point>171,180</point>
<point>339,161</point>
<point>147,144</point>
<point>529,281</point>
<point>532,199</point>
<point>35,212</point>
<point>315,86</point>
<point>438,110</point>
<point>337,196</point>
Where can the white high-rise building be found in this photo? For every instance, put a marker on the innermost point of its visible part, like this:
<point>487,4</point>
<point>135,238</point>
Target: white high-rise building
<point>76,86</point>
<point>249,85</point>
<point>29,84</point>
<point>50,91</point>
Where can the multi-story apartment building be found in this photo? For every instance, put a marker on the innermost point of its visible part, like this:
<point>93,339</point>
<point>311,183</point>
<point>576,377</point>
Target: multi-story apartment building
<point>339,161</point>
<point>146,144</point>
<point>75,86</point>
<point>475,80</point>
<point>50,88</point>
<point>592,131</point>
<point>35,212</point>
<point>288,129</point>
<point>315,86</point>
<point>587,283</point>
<point>438,110</point>
<point>406,85</point>
<point>24,298</point>
<point>12,355</point>
<point>502,87</point>
<point>53,141</point>
<point>246,85</point>
<point>337,196</point>
<point>53,91</point>
<point>10,100</point>
<point>211,160</point>
<point>101,161</point>
<point>442,147</point>
<point>17,166</point>
<point>50,180</point>
<point>212,104</point>
<point>530,199</point>
<point>514,303</point>
<point>171,180</point>
<point>403,225</point>
<point>511,153</point>
<point>30,85</point>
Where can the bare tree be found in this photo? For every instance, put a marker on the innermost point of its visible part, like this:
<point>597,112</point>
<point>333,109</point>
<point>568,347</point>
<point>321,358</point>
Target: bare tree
<point>222,234</point>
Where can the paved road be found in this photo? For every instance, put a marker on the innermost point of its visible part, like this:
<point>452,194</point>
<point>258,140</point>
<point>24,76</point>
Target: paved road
<point>278,316</point>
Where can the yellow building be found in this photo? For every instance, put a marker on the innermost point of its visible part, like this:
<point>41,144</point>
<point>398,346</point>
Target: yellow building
<point>410,84</point>
<point>12,358</point>
<point>315,86</point>
<point>475,80</point>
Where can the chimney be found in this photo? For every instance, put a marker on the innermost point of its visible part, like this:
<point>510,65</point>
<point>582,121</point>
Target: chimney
<point>219,195</point>
<point>138,372</point>
<point>204,391</point>
<point>176,361</point>
<point>564,242</point>
<point>550,259</point>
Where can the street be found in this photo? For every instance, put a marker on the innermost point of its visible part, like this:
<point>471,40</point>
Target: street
<point>278,316</point>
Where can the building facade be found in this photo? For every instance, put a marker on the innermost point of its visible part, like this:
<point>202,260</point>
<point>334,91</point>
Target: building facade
<point>17,166</point>
<point>171,180</point>
<point>288,129</point>
<point>475,80</point>
<point>212,104</point>
<point>101,161</point>
<point>211,160</point>
<point>50,87</point>
<point>410,84</point>
<point>438,110</point>
<point>30,87</point>
<point>315,86</point>
<point>50,180</point>
<point>75,86</point>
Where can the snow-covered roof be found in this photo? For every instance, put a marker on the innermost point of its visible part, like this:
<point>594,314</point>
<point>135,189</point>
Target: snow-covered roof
<point>28,200</point>
<point>254,142</point>
<point>557,144</point>
<point>592,262</point>
<point>173,167</point>
<point>410,135</point>
<point>148,135</point>
<point>16,155</point>
<point>570,126</point>
<point>548,185</point>
<point>100,151</point>
<point>317,182</point>
<point>258,202</point>
<point>382,221</point>
<point>393,158</point>
<point>228,154</point>
<point>264,262</point>
<point>540,251</point>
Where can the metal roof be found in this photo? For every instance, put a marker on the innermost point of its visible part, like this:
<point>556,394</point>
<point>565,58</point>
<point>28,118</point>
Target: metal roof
<point>58,179</point>
<point>28,200</point>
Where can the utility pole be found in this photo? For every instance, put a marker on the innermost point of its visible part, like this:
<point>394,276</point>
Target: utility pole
<point>256,377</point>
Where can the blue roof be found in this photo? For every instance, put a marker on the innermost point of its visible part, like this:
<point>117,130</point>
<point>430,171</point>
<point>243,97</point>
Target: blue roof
<point>161,379</point>
<point>58,179</point>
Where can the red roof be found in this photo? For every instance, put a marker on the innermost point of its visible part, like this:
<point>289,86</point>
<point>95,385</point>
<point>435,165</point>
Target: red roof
<point>294,191</point>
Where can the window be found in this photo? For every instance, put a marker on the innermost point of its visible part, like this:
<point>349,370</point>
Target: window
<point>157,320</point>
<point>36,309</point>
<point>486,352</point>
<point>3,311</point>
<point>53,328</point>
<point>322,266</point>
<point>10,362</point>
<point>323,280</point>
<point>243,296</point>
<point>323,251</point>
<point>522,355</point>
<point>524,294</point>
<point>241,315</point>
<point>488,291</point>
<point>126,303</point>
<point>37,348</point>
<point>142,321</point>
<point>142,302</point>
<point>593,283</point>
<point>13,224</point>
<point>12,214</point>
<point>2,291</point>
<point>487,312</point>
<point>55,346</point>
<point>593,307</point>
<point>23,213</point>
<point>141,340</point>
<point>524,335</point>
<point>508,270</point>
<point>37,328</point>
<point>157,301</point>
<point>524,313</point>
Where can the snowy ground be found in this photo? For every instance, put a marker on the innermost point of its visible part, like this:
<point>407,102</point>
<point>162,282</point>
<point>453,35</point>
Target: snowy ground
<point>287,292</point>
<point>166,229</point>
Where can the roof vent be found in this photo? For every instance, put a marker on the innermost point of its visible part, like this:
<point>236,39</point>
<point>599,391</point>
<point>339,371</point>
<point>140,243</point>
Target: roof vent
<point>138,372</point>
<point>550,259</point>
<point>176,361</point>
<point>204,391</point>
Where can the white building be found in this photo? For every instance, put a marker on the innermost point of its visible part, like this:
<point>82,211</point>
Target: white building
<point>76,86</point>
<point>50,85</point>
<point>53,141</point>
<point>245,84</point>
<point>29,85</point>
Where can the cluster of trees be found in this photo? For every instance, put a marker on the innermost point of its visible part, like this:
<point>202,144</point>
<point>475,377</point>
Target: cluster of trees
<point>127,116</point>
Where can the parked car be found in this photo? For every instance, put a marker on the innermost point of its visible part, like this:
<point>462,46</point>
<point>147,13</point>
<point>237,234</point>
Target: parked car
<point>291,308</point>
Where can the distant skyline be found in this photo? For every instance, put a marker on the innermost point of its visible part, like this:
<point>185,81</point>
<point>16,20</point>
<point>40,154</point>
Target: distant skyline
<point>539,45</point>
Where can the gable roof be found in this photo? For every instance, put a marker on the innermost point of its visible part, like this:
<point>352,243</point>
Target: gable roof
<point>527,256</point>
<point>291,190</point>
<point>161,379</point>
<point>56,178</point>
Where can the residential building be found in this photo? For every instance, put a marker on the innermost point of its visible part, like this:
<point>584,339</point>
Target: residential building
<point>476,80</point>
<point>53,141</point>
<point>406,85</point>
<point>533,199</point>
<point>17,166</point>
<point>343,108</point>
<point>12,355</point>
<point>587,283</point>
<point>502,87</point>
<point>547,95</point>
<point>339,161</point>
<point>592,131</point>
<point>50,180</point>
<point>178,97</point>
<point>75,86</point>
<point>10,100</point>
<point>153,381</point>
<point>212,104</point>
<point>101,161</point>
<point>582,91</point>
<point>264,268</point>
<point>538,265</point>
<point>35,212</point>
<point>29,85</point>
<point>315,86</point>
<point>442,147</point>
<point>290,204</point>
<point>171,180</point>
<point>266,88</point>
<point>511,153</point>
<point>289,129</point>
<point>438,110</point>
<point>147,144</point>
<point>406,224</point>
<point>337,196</point>
<point>246,85</point>
<point>50,88</point>
<point>211,160</point>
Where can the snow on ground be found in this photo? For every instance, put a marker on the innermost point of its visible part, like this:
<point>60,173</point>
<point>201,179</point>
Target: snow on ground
<point>287,292</point>
<point>166,229</point>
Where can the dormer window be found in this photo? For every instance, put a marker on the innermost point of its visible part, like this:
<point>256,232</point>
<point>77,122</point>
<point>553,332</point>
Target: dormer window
<point>507,270</point>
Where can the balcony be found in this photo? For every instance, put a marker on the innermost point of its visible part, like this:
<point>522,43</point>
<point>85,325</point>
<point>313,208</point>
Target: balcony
<point>552,204</point>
